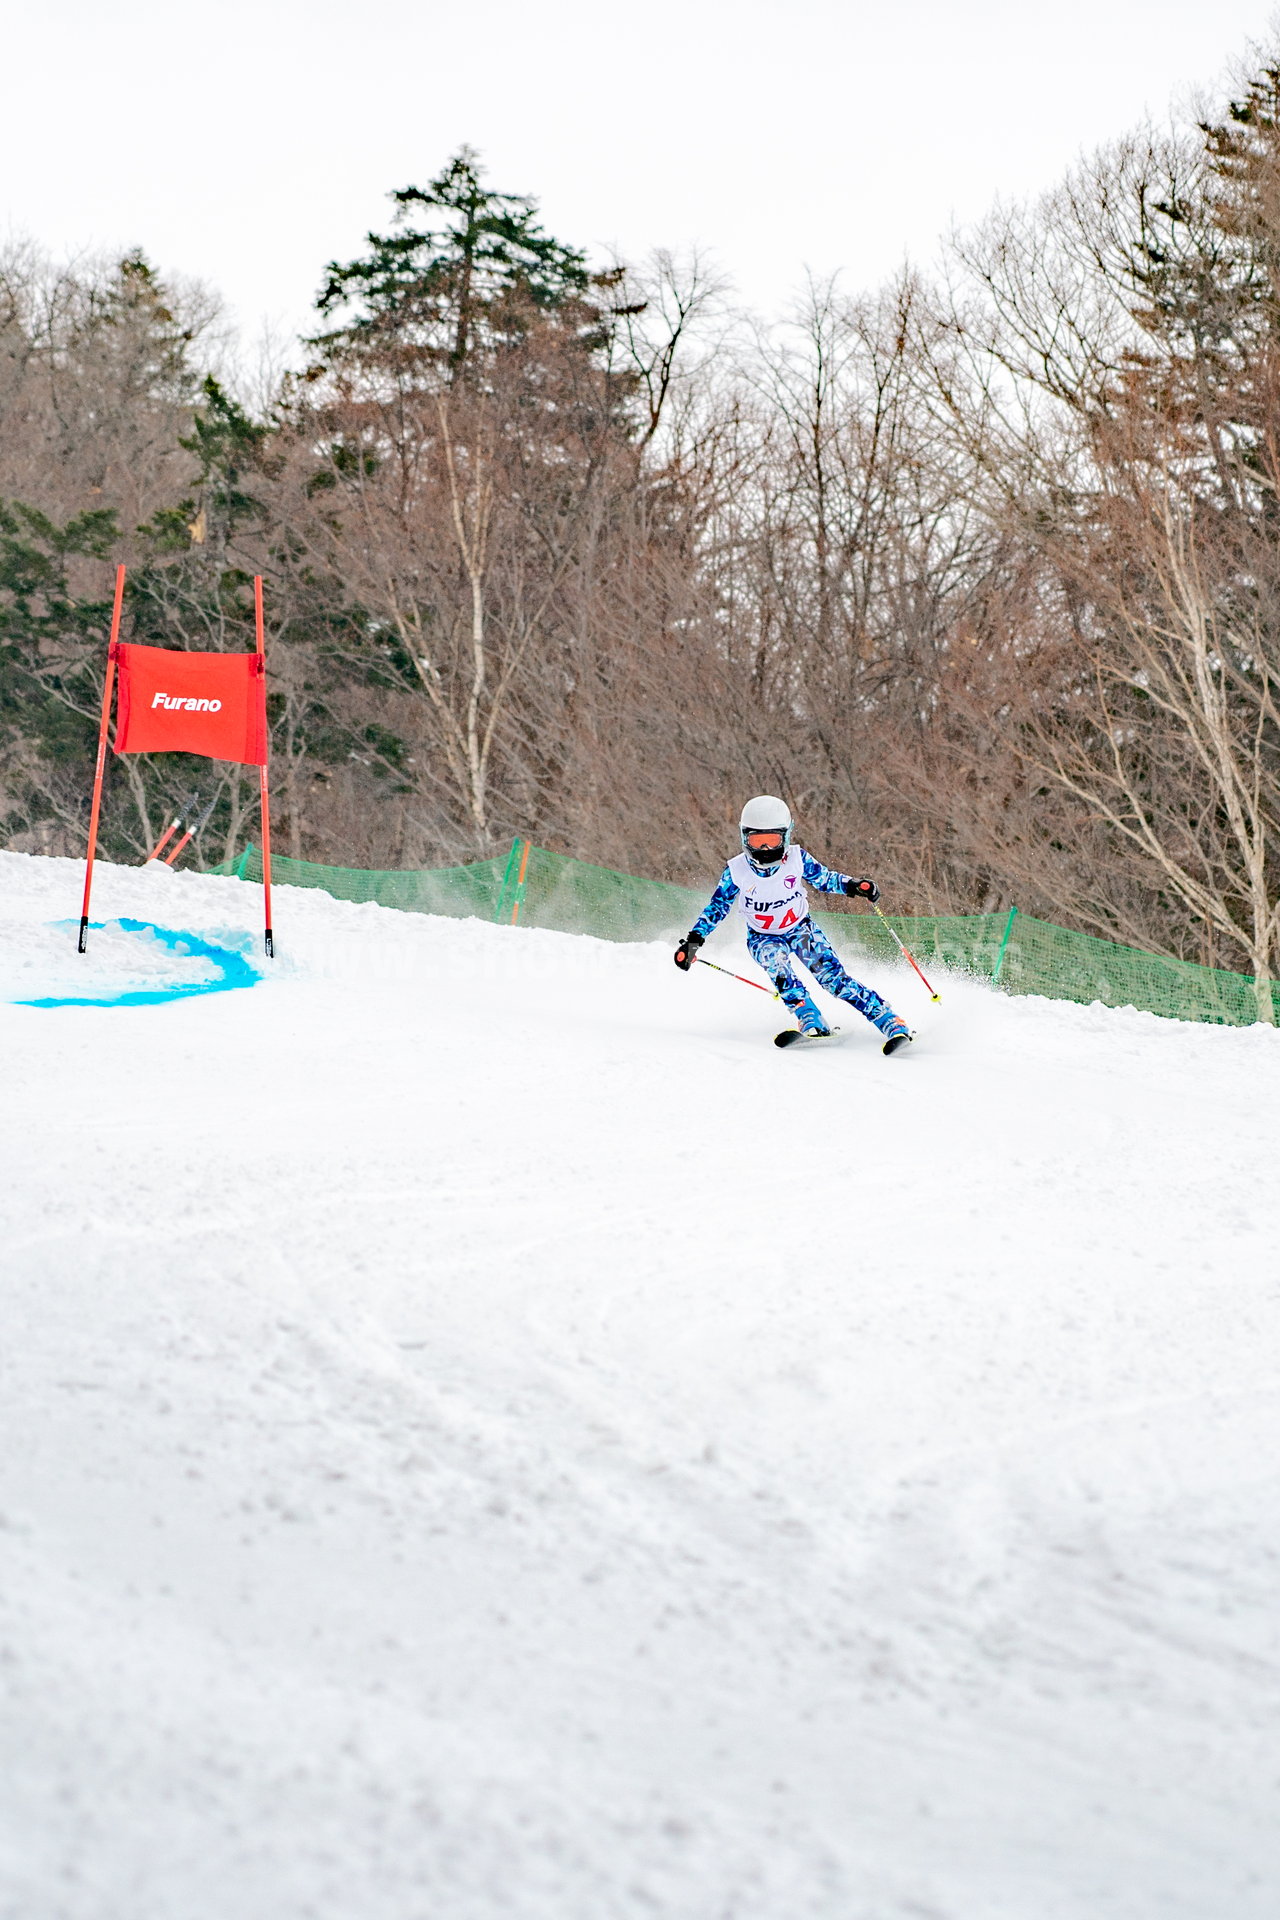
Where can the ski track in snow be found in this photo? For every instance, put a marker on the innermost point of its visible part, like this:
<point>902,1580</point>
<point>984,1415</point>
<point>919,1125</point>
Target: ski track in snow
<point>484,1434</point>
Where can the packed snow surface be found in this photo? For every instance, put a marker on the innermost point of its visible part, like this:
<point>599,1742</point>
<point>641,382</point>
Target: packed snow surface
<point>486,1436</point>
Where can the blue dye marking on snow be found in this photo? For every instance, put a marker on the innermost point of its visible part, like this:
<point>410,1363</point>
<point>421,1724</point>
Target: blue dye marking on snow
<point>233,970</point>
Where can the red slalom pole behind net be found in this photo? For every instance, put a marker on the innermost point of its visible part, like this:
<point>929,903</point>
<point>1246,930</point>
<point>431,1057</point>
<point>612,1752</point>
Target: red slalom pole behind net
<point>162,842</point>
<point>196,826</point>
<point>269,939</point>
<point>99,770</point>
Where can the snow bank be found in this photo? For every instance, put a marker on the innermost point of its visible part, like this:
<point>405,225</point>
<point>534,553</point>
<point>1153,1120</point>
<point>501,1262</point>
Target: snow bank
<point>485,1434</point>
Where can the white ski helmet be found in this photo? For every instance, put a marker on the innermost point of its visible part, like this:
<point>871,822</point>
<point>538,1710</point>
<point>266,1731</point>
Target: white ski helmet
<point>765,827</point>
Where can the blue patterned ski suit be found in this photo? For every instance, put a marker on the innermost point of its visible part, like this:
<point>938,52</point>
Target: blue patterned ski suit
<point>776,952</point>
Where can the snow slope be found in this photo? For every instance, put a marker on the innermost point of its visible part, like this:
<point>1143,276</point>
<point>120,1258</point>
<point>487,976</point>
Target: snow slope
<point>483,1433</point>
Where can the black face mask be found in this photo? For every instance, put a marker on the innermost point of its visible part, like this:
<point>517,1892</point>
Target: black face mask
<point>766,856</point>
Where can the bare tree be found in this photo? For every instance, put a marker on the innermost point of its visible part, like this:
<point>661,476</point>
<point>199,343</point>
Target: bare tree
<point>1116,400</point>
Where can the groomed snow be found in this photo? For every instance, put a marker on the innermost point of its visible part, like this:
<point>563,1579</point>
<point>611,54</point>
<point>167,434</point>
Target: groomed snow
<point>485,1436</point>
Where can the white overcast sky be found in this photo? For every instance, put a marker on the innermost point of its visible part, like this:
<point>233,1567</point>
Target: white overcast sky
<point>249,143</point>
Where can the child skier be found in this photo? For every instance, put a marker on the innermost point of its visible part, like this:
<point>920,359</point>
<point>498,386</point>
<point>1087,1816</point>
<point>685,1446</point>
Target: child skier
<point>769,877</point>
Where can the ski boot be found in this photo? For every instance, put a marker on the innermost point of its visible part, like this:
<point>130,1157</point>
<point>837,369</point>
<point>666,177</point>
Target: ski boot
<point>896,1034</point>
<point>810,1029</point>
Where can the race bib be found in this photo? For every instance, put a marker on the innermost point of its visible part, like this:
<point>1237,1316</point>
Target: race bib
<point>776,904</point>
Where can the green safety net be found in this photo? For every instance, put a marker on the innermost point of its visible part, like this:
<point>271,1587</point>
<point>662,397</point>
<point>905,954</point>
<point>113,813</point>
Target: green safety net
<point>534,887</point>
<point>1022,955</point>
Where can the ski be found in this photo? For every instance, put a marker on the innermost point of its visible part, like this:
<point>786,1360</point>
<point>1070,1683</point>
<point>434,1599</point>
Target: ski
<point>793,1036</point>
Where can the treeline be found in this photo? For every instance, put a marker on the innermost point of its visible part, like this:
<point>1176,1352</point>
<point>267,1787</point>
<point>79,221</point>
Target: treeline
<point>980,571</point>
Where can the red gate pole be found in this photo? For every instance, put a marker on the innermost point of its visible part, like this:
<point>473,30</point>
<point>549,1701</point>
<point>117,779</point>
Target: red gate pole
<point>193,829</point>
<point>262,770</point>
<point>162,842</point>
<point>107,691</point>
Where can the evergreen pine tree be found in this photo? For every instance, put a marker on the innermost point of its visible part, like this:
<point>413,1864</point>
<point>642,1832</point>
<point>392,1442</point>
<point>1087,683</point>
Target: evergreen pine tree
<point>435,287</point>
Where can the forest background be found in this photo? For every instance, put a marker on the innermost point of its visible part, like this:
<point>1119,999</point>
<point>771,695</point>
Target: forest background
<point>979,570</point>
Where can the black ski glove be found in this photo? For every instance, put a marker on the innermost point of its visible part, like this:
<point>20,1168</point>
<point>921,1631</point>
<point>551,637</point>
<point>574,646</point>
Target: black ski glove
<point>687,952</point>
<point>862,890</point>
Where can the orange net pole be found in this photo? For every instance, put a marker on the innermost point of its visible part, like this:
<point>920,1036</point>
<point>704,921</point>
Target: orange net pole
<point>524,867</point>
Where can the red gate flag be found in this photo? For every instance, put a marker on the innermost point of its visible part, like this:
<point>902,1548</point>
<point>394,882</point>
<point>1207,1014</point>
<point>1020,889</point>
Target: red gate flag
<point>174,702</point>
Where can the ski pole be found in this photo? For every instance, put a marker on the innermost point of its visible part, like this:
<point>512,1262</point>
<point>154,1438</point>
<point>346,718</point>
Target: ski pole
<point>906,956</point>
<point>729,974</point>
